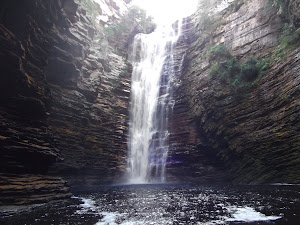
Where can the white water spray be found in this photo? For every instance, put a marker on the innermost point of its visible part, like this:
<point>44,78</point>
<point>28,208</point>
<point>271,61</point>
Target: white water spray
<point>153,67</point>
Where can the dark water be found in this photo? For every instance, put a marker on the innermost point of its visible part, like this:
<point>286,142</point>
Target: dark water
<point>166,204</point>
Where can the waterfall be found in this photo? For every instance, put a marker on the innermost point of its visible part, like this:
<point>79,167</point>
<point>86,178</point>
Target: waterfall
<point>151,102</point>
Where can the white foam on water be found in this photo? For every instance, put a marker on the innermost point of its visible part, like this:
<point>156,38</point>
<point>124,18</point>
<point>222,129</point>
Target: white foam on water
<point>237,214</point>
<point>247,214</point>
<point>108,219</point>
<point>111,219</point>
<point>241,214</point>
<point>87,205</point>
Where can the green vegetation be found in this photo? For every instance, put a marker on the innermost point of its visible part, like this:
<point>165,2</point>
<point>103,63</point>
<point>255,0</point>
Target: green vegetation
<point>290,37</point>
<point>290,40</point>
<point>218,52</point>
<point>229,70</point>
<point>119,34</point>
<point>135,18</point>
<point>205,21</point>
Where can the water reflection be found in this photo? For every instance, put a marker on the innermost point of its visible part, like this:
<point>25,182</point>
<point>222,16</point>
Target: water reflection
<point>175,204</point>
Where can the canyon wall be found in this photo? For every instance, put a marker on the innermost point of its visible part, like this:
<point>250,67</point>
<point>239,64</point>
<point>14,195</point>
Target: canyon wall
<point>190,158</point>
<point>241,131</point>
<point>65,86</point>
<point>64,100</point>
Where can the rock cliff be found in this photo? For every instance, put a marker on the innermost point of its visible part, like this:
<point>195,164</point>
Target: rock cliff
<point>190,158</point>
<point>64,94</point>
<point>64,100</point>
<point>249,129</point>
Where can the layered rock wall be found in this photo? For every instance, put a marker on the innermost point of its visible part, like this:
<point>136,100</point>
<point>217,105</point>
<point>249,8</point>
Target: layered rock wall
<point>64,94</point>
<point>253,132</point>
<point>190,158</point>
<point>64,97</point>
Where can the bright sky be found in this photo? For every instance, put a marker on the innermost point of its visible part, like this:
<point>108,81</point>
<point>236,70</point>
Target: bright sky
<point>165,11</point>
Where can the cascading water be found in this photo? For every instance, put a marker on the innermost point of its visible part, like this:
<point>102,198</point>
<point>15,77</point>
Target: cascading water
<point>151,102</point>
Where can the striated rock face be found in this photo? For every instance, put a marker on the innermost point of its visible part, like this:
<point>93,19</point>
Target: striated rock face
<point>294,12</point>
<point>89,123</point>
<point>190,158</point>
<point>289,10</point>
<point>64,99</point>
<point>64,94</point>
<point>29,189</point>
<point>253,132</point>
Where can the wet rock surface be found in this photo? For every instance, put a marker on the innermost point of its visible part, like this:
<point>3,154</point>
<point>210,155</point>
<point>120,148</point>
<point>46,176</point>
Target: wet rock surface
<point>190,156</point>
<point>64,96</point>
<point>253,132</point>
<point>31,189</point>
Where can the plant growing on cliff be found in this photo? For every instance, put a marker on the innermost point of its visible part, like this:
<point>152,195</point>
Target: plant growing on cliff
<point>121,34</point>
<point>250,70</point>
<point>264,66</point>
<point>218,52</point>
<point>205,21</point>
<point>134,19</point>
<point>290,40</point>
<point>229,70</point>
